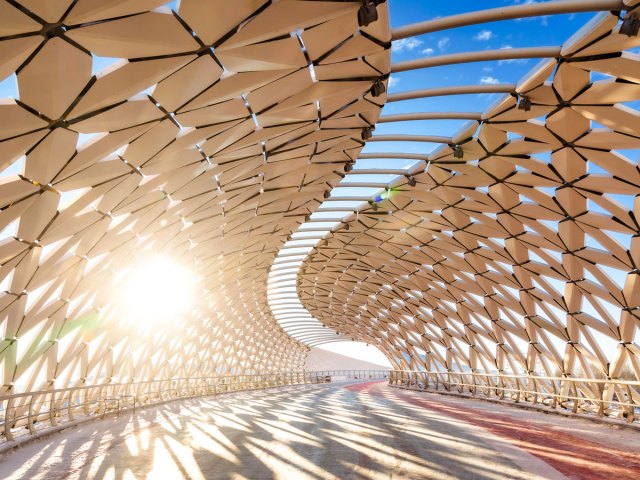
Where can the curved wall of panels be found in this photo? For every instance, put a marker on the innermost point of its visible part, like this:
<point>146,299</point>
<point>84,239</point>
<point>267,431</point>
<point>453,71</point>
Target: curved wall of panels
<point>517,246</point>
<point>204,134</point>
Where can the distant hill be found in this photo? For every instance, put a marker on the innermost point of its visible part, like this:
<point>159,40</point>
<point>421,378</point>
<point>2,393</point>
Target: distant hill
<point>319,359</point>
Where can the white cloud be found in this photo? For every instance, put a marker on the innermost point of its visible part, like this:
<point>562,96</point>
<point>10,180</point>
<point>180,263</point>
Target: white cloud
<point>405,44</point>
<point>427,51</point>
<point>489,80</point>
<point>443,43</point>
<point>393,81</point>
<point>483,35</point>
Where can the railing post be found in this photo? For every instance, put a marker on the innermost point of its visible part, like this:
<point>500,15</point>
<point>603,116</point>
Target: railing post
<point>554,402</point>
<point>85,401</point>
<point>7,420</point>
<point>601,400</point>
<point>630,410</point>
<point>52,410</point>
<point>70,406</point>
<point>32,429</point>
<point>535,389</point>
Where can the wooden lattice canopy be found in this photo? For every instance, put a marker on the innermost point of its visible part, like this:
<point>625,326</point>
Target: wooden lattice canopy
<point>213,133</point>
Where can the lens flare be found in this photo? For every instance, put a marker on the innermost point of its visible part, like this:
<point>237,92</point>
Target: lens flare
<point>156,290</point>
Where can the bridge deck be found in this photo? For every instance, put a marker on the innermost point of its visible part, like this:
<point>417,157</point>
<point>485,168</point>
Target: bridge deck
<point>334,431</point>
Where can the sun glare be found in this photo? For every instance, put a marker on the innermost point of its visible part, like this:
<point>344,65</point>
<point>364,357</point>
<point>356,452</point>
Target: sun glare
<point>156,290</point>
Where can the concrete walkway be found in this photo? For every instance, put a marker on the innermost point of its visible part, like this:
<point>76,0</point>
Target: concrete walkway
<point>337,431</point>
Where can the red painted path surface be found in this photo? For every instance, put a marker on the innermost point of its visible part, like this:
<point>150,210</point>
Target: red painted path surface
<point>569,454</point>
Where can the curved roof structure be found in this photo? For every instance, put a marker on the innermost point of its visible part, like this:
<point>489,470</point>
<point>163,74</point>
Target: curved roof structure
<point>136,131</point>
<point>510,246</point>
<point>246,150</point>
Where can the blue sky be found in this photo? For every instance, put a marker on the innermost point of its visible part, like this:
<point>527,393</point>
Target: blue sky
<point>551,30</point>
<point>536,31</point>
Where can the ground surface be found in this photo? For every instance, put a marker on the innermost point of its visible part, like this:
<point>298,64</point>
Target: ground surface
<point>337,431</point>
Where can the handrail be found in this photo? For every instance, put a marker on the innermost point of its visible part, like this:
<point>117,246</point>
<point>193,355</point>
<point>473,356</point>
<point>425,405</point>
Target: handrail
<point>602,397</point>
<point>538,377</point>
<point>32,413</point>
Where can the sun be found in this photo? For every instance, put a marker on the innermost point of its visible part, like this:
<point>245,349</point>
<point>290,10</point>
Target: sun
<point>155,290</point>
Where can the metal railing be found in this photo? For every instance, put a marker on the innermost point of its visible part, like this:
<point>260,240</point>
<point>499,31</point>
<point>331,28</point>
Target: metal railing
<point>604,398</point>
<point>33,413</point>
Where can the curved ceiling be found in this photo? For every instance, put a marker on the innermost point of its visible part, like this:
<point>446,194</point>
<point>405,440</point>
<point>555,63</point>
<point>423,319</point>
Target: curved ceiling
<point>137,129</point>
<point>512,244</point>
<point>236,147</point>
